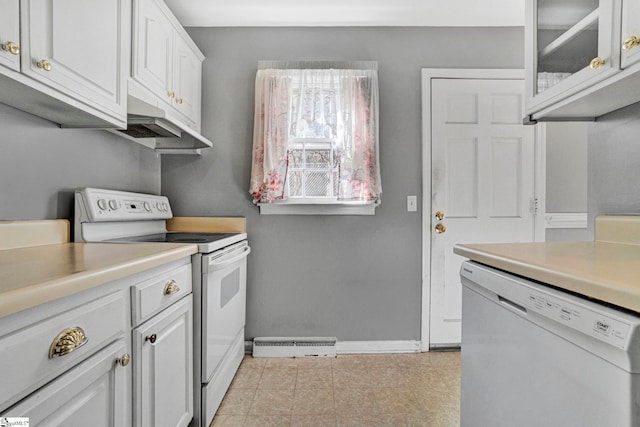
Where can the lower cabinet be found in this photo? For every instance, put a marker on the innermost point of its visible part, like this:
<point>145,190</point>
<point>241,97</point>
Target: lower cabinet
<point>94,393</point>
<point>163,369</point>
<point>117,355</point>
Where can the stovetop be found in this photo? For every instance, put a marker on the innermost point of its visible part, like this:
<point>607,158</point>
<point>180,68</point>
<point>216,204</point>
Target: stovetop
<point>207,242</point>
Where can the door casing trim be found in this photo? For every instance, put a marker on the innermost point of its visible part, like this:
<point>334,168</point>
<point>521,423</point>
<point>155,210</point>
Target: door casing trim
<point>459,73</point>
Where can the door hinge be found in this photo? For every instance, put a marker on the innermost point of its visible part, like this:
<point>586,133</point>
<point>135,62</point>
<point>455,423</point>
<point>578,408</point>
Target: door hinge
<point>534,206</point>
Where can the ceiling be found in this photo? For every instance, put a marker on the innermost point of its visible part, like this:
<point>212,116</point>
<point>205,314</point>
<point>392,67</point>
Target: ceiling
<point>323,13</point>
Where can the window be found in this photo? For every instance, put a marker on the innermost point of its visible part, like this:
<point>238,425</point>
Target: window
<point>316,138</point>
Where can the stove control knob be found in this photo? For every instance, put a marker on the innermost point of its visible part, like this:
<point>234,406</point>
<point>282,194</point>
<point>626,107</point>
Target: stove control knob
<point>113,204</point>
<point>102,204</point>
<point>165,207</point>
<point>146,206</point>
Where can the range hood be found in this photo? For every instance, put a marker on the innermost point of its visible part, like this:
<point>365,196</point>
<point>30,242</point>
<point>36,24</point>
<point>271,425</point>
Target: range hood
<point>151,125</point>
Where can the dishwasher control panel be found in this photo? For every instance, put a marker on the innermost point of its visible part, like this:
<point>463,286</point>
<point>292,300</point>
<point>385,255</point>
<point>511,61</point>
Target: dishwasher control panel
<point>598,325</point>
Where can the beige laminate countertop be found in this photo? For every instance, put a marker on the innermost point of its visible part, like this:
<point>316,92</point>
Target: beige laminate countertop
<point>605,271</point>
<point>31,276</point>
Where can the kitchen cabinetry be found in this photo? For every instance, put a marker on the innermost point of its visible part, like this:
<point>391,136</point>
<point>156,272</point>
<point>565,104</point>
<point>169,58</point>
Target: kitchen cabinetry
<point>630,33</point>
<point>10,34</point>
<point>166,62</point>
<point>93,393</point>
<point>74,353</point>
<point>73,60</point>
<point>163,374</point>
<point>71,361</point>
<point>571,46</point>
<point>163,350</point>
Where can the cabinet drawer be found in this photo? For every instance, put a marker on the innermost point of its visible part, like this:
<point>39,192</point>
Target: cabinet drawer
<point>26,356</point>
<point>151,296</point>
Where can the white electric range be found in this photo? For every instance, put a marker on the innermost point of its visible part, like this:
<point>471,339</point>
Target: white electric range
<point>219,281</point>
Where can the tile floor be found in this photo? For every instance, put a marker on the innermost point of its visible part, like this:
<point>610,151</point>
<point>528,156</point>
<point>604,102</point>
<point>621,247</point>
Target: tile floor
<point>421,389</point>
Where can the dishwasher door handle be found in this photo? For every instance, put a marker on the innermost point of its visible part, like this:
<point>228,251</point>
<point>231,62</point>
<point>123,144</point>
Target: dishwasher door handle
<point>512,304</point>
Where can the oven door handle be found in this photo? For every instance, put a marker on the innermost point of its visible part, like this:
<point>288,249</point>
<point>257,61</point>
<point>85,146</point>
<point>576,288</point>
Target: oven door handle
<point>223,263</point>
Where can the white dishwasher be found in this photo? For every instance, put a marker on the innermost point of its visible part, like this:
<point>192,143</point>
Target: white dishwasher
<point>533,355</point>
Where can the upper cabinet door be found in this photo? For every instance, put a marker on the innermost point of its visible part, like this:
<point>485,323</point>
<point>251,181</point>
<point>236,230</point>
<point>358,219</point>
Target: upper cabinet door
<point>10,34</point>
<point>630,33</point>
<point>572,44</point>
<point>187,80</point>
<point>79,48</point>
<point>153,48</point>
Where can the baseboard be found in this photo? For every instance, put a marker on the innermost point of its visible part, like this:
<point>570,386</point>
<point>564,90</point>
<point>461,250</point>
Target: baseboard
<point>364,347</point>
<point>375,347</point>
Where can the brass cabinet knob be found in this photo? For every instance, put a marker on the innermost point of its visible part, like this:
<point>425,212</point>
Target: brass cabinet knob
<point>44,64</point>
<point>171,94</point>
<point>630,43</point>
<point>67,341</point>
<point>171,288</point>
<point>440,215</point>
<point>596,63</point>
<point>151,338</point>
<point>440,228</point>
<point>179,100</point>
<point>12,48</point>
<point>123,360</point>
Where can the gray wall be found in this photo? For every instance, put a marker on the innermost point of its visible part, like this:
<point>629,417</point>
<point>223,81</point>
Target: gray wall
<point>41,165</point>
<point>614,164</point>
<point>357,278</point>
<point>566,175</point>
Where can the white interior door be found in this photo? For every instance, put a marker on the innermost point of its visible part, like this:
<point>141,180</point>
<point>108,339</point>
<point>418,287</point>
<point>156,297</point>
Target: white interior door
<point>482,183</point>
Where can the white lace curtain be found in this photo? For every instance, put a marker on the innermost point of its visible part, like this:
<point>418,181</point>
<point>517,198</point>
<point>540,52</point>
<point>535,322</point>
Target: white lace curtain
<point>316,135</point>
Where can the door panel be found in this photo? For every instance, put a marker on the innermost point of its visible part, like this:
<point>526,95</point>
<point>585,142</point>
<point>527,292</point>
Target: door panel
<point>10,34</point>
<point>89,67</point>
<point>482,180</point>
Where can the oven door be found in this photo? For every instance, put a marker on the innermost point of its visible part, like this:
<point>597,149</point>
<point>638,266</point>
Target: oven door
<point>224,293</point>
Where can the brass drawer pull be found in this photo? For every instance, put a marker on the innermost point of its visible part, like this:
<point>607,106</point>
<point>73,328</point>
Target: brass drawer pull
<point>171,288</point>
<point>630,43</point>
<point>67,341</point>
<point>44,64</point>
<point>596,63</point>
<point>123,360</point>
<point>11,47</point>
<point>151,338</point>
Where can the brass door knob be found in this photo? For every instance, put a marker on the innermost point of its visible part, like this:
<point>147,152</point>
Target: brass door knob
<point>630,43</point>
<point>596,63</point>
<point>440,215</point>
<point>44,64</point>
<point>12,48</point>
<point>123,360</point>
<point>151,338</point>
<point>171,288</point>
<point>440,228</point>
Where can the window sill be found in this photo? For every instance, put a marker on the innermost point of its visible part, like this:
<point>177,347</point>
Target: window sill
<point>337,208</point>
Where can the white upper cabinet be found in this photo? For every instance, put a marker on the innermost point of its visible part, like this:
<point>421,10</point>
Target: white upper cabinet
<point>153,48</point>
<point>630,33</point>
<point>10,34</point>
<point>187,80</point>
<point>571,45</point>
<point>77,48</point>
<point>166,61</point>
<point>66,61</point>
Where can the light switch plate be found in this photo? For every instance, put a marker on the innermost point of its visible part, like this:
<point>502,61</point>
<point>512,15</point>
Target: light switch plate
<point>412,203</point>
